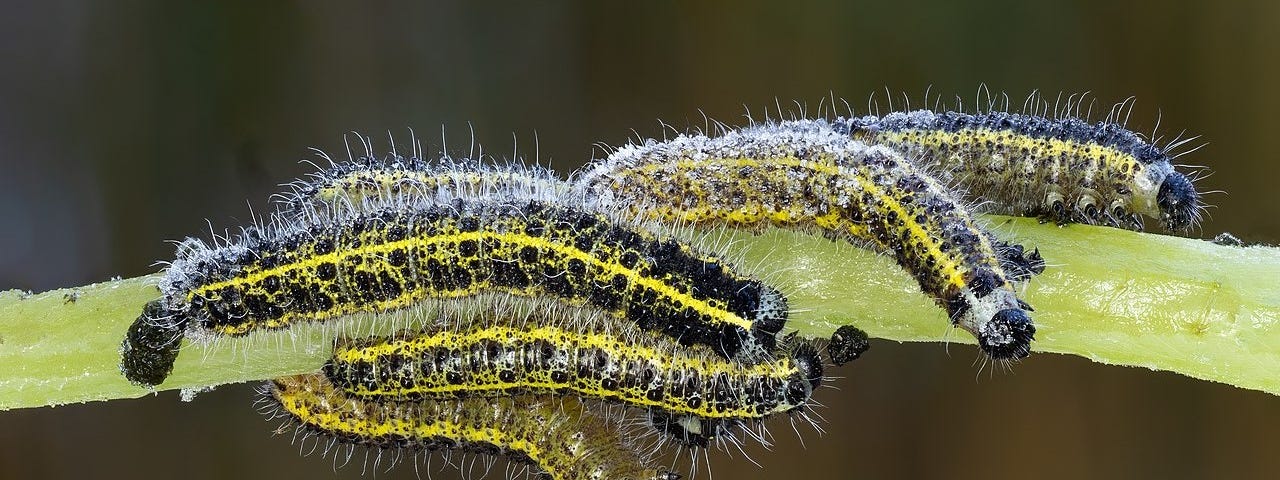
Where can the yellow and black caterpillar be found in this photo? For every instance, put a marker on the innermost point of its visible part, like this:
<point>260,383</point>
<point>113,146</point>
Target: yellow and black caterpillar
<point>1064,169</point>
<point>557,439</point>
<point>593,357</point>
<point>674,331</point>
<point>809,174</point>
<point>381,259</point>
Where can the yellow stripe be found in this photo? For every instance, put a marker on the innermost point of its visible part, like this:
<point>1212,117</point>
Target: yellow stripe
<point>251,279</point>
<point>951,268</point>
<point>308,406</point>
<point>619,350</point>
<point>558,437</point>
<point>1098,154</point>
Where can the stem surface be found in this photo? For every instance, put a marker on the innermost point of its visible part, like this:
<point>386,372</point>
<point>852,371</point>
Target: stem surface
<point>1113,296</point>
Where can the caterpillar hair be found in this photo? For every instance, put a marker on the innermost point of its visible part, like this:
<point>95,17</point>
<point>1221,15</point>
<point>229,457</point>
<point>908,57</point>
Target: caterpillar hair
<point>500,355</point>
<point>557,438</point>
<point>810,175</point>
<point>317,265</point>
<point>1063,168</point>
<point>371,180</point>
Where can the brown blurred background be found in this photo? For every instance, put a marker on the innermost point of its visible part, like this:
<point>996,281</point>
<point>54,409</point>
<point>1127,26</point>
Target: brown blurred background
<point>124,125</point>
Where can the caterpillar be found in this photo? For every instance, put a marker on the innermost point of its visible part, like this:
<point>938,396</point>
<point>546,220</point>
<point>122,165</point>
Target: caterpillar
<point>368,179</point>
<point>558,439</point>
<point>498,355</point>
<point>809,174</point>
<point>316,267</point>
<point>152,341</point>
<point>1064,169</point>
<point>355,182</point>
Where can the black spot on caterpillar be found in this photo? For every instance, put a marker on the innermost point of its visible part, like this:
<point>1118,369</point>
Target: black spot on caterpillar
<point>557,438</point>
<point>379,259</point>
<point>809,174</point>
<point>1064,169</point>
<point>602,358</point>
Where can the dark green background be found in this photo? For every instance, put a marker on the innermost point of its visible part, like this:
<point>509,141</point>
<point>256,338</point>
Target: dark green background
<point>126,124</point>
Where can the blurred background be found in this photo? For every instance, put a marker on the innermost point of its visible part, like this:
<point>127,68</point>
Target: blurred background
<point>127,124</point>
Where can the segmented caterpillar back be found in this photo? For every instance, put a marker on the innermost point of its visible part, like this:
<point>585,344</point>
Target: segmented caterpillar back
<point>1064,169</point>
<point>378,259</point>
<point>500,355</point>
<point>558,438</point>
<point>808,174</point>
<point>372,182</point>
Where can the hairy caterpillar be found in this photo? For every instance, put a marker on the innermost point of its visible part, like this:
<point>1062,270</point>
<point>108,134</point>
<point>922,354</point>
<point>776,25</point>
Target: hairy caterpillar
<point>557,438</point>
<point>366,180</point>
<point>407,250</point>
<point>345,188</point>
<point>598,358</point>
<point>809,174</point>
<point>1064,169</point>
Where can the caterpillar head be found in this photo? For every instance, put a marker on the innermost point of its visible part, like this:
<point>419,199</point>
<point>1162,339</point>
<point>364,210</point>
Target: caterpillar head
<point>990,310</point>
<point>151,345</point>
<point>1007,335</point>
<point>1179,202</point>
<point>847,344</point>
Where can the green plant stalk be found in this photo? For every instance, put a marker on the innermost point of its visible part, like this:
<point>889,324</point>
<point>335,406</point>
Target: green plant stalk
<point>1113,296</point>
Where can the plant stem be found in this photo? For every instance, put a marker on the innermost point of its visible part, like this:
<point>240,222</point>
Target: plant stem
<point>1113,296</point>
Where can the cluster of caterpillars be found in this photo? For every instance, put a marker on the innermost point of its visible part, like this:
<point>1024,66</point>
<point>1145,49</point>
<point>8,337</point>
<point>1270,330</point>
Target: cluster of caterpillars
<point>628,311</point>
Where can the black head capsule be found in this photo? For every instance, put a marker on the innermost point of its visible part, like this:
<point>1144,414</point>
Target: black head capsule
<point>1008,335</point>
<point>847,344</point>
<point>1179,202</point>
<point>151,345</point>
